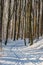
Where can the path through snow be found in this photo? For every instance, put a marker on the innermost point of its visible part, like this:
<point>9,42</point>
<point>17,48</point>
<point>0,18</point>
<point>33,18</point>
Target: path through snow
<point>15,53</point>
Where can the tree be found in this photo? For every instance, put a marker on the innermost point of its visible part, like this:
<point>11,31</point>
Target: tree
<point>15,18</point>
<point>38,17</point>
<point>25,23</point>
<point>30,27</point>
<point>1,16</point>
<point>42,20</point>
<point>19,20</point>
<point>9,18</point>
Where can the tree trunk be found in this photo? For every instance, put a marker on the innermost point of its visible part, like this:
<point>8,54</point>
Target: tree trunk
<point>9,18</point>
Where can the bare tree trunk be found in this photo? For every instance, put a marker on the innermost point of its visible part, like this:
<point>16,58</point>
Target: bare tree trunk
<point>42,20</point>
<point>19,20</point>
<point>9,18</point>
<point>35,18</point>
<point>15,18</point>
<point>25,24</point>
<point>38,16</point>
<point>30,27</point>
<point>5,19</point>
<point>1,17</point>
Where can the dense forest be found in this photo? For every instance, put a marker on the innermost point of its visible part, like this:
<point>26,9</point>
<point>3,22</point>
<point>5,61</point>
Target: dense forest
<point>21,32</point>
<point>21,19</point>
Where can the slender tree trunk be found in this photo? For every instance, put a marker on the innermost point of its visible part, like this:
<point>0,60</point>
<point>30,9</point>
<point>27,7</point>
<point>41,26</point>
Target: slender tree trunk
<point>42,20</point>
<point>19,20</point>
<point>15,19</point>
<point>1,17</point>
<point>30,27</point>
<point>9,18</point>
<point>25,24</point>
<point>38,17</point>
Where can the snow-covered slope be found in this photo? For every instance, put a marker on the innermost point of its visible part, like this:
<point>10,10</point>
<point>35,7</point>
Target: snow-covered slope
<point>16,53</point>
<point>37,45</point>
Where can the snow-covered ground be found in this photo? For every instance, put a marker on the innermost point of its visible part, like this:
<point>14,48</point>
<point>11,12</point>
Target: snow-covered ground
<point>16,53</point>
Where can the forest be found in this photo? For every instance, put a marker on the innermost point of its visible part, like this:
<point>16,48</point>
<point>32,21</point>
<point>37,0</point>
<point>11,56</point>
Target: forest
<point>21,32</point>
<point>22,19</point>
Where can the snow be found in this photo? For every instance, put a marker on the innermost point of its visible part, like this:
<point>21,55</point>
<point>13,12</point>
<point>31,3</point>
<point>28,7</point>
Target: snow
<point>16,53</point>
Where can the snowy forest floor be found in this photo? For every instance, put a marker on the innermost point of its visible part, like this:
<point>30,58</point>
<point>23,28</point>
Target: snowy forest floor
<point>16,53</point>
